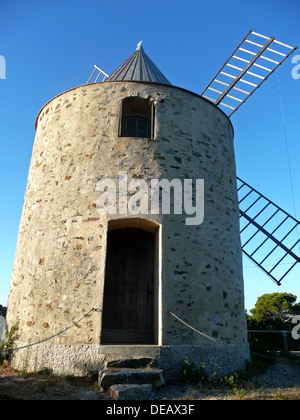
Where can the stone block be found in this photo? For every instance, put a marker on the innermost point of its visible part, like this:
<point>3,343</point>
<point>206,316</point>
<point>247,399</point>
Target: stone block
<point>133,363</point>
<point>131,392</point>
<point>109,377</point>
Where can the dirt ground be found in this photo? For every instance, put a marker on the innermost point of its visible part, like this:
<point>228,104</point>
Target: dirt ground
<point>280,382</point>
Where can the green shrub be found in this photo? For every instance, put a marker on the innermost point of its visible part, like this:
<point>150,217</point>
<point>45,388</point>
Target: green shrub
<point>7,346</point>
<point>191,373</point>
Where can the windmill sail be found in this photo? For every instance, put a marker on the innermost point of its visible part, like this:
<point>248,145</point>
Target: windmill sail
<point>99,73</point>
<point>251,63</point>
<point>269,235</point>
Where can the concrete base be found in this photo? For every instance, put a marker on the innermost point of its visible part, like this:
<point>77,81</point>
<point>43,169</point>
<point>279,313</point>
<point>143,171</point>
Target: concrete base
<point>83,360</point>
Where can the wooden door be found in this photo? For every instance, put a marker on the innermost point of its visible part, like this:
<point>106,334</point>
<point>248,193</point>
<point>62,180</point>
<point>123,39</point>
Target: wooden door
<point>129,287</point>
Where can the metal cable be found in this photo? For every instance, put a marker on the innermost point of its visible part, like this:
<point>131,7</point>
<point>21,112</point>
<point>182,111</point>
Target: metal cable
<point>199,332</point>
<point>55,335</point>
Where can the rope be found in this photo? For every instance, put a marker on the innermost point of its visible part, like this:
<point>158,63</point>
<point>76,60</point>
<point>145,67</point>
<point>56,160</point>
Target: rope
<point>57,334</point>
<point>213,339</point>
<point>199,332</point>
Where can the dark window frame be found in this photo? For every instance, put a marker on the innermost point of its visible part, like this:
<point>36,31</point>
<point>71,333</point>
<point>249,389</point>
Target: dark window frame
<point>139,127</point>
<point>137,108</point>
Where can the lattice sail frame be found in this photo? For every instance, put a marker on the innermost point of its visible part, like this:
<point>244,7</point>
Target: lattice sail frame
<point>269,235</point>
<point>250,64</point>
<point>100,73</point>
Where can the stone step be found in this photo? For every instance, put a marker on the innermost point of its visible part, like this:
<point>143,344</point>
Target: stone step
<point>133,363</point>
<point>112,376</point>
<point>131,392</point>
<point>131,350</point>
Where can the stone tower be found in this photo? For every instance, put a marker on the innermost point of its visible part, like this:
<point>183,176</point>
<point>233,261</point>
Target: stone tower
<point>89,237</point>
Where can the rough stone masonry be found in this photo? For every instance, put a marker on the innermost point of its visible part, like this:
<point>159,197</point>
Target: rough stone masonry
<point>59,270</point>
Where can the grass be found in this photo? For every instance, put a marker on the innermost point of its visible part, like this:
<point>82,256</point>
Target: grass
<point>238,385</point>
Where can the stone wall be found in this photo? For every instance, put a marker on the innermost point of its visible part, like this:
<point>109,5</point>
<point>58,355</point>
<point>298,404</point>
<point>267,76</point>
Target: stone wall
<point>58,274</point>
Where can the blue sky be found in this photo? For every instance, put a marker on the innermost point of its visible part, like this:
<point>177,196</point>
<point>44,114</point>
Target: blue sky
<point>50,47</point>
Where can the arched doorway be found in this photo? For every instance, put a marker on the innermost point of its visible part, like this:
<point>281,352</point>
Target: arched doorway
<point>130,290</point>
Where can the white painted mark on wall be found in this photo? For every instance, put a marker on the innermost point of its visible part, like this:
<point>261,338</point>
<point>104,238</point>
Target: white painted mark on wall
<point>2,328</point>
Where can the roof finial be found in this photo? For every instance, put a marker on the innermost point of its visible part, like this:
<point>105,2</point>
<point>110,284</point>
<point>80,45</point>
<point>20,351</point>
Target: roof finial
<point>139,46</point>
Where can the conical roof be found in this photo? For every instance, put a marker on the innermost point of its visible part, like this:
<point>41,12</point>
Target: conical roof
<point>139,67</point>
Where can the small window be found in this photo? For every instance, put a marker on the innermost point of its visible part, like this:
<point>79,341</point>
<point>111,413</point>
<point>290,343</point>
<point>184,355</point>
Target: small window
<point>137,118</point>
<point>136,127</point>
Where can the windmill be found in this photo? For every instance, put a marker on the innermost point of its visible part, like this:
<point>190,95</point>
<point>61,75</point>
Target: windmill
<point>269,235</point>
<point>144,271</point>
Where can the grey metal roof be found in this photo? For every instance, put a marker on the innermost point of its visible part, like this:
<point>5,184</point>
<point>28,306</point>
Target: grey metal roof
<point>139,67</point>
